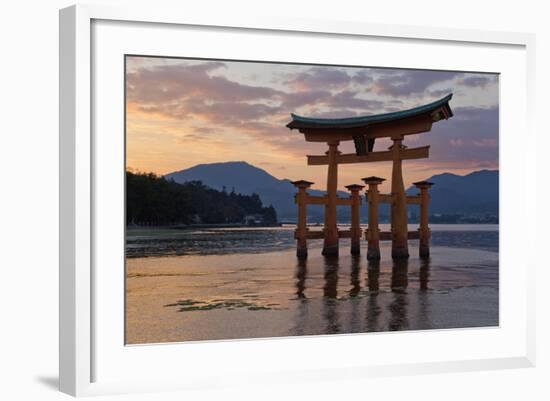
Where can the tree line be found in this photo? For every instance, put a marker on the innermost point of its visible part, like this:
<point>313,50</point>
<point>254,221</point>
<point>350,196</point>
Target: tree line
<point>154,201</point>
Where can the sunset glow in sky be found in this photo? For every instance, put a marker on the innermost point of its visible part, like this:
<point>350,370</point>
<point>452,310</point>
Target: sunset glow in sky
<point>181,113</point>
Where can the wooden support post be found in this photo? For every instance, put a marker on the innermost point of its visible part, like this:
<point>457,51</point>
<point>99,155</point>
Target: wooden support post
<point>400,246</point>
<point>301,224</point>
<point>355,218</point>
<point>424,229</point>
<point>373,231</point>
<point>330,246</point>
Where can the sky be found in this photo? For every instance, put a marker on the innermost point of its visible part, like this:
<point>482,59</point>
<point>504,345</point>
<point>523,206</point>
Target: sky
<point>184,112</point>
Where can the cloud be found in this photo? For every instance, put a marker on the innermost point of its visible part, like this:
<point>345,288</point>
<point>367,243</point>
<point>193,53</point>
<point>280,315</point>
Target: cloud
<point>409,82</point>
<point>185,139</point>
<point>477,80</point>
<point>295,100</point>
<point>168,83</point>
<point>470,135</point>
<point>334,113</point>
<point>486,143</point>
<point>439,93</point>
<point>456,142</point>
<point>362,77</point>
<point>189,93</point>
<point>227,112</point>
<point>349,99</point>
<point>204,130</point>
<point>319,78</point>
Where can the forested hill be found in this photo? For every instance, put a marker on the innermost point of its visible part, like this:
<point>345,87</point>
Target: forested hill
<point>153,200</point>
<point>249,179</point>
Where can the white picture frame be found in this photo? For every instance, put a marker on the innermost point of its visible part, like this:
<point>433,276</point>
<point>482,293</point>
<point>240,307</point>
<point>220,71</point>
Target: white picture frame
<point>80,345</point>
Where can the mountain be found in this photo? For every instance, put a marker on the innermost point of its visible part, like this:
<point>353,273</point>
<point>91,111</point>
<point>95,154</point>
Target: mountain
<point>247,179</point>
<point>472,194</point>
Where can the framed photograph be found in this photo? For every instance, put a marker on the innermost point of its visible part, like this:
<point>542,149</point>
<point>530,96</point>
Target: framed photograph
<point>266,199</point>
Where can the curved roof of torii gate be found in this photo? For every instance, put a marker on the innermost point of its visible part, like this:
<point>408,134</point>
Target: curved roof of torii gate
<point>438,109</point>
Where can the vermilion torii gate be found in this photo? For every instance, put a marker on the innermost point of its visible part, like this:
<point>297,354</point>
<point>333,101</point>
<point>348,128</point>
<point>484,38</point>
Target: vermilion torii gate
<point>364,131</point>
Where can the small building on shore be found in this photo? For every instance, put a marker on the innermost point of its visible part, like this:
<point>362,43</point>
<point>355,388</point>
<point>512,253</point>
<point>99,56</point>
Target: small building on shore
<point>254,220</point>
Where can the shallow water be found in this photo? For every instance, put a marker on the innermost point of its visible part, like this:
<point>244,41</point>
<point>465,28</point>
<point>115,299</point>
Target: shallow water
<point>142,242</point>
<point>217,292</point>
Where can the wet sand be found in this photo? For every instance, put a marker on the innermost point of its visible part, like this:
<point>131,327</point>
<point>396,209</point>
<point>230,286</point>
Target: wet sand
<point>272,294</point>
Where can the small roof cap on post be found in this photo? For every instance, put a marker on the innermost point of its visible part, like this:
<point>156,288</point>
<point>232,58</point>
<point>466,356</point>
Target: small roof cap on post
<point>423,184</point>
<point>373,180</point>
<point>355,187</point>
<point>302,184</point>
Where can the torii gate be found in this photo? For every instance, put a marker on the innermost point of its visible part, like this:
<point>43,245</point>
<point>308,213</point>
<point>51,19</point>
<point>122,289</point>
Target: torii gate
<point>364,131</point>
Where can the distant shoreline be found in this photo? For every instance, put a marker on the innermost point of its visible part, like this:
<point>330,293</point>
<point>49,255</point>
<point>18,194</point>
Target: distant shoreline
<point>190,226</point>
<point>280,224</point>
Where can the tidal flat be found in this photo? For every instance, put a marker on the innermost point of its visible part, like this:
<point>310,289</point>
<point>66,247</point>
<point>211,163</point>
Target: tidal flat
<point>190,291</point>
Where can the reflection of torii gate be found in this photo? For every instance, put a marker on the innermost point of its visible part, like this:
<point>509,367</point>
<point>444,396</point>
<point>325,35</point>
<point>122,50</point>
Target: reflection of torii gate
<point>364,131</point>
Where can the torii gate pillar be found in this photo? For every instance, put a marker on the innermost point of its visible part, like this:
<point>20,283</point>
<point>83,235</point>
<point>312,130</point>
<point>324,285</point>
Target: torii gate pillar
<point>330,245</point>
<point>301,230</point>
<point>399,229</point>
<point>424,229</point>
<point>355,229</point>
<point>373,231</point>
